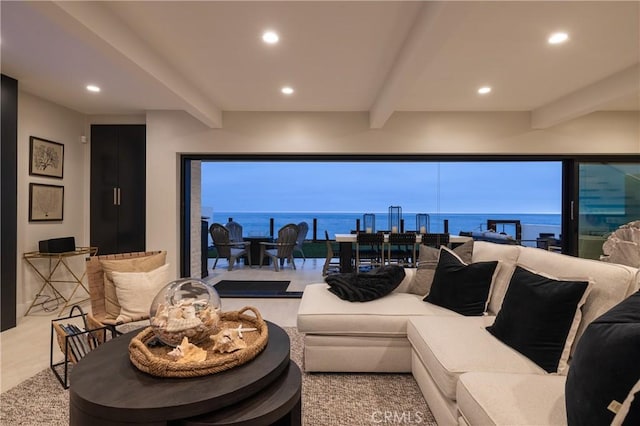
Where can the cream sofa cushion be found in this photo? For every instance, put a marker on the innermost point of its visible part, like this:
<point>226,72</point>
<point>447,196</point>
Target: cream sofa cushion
<point>511,399</point>
<point>451,346</point>
<point>409,276</point>
<point>507,255</point>
<point>322,312</point>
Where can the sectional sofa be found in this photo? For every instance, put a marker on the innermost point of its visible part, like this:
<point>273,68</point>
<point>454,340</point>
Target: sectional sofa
<point>466,375</point>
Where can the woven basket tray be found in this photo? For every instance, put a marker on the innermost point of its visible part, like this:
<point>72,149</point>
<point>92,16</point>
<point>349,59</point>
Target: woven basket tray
<point>154,360</point>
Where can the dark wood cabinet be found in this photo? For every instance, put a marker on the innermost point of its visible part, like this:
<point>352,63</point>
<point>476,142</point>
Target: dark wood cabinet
<point>118,188</point>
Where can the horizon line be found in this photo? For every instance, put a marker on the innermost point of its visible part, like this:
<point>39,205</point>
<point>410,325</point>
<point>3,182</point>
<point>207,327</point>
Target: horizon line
<point>378,212</point>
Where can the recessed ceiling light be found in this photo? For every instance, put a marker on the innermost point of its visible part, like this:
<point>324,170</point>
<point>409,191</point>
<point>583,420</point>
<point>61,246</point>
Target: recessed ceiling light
<point>93,88</point>
<point>287,90</point>
<point>484,90</point>
<point>557,38</point>
<point>270,37</point>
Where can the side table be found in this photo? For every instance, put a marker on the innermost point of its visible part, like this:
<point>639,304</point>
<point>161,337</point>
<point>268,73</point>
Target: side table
<point>255,249</point>
<point>58,261</point>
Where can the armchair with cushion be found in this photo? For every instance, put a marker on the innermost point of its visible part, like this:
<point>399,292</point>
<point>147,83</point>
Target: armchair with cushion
<point>107,278</point>
<point>282,248</point>
<point>226,248</point>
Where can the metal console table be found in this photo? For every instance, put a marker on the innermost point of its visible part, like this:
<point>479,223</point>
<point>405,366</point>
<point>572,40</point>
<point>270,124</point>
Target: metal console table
<point>58,261</point>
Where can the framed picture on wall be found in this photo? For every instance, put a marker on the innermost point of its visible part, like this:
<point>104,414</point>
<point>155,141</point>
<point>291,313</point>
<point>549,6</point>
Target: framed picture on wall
<point>46,202</point>
<point>46,158</point>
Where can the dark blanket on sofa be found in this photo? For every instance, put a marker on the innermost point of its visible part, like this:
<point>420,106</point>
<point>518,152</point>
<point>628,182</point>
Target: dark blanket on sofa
<point>366,286</point>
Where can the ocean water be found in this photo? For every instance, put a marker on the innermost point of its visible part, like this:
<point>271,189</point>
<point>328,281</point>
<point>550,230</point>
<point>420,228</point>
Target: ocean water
<point>257,224</point>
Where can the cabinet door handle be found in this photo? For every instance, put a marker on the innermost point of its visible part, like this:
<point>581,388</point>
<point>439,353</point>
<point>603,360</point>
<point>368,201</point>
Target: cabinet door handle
<point>118,196</point>
<point>115,196</point>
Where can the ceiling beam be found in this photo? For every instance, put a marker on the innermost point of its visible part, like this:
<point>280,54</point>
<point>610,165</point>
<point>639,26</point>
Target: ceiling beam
<point>588,99</point>
<point>108,27</point>
<point>427,35</point>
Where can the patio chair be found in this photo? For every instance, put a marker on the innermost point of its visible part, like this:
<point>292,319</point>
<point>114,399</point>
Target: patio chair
<point>435,240</point>
<point>303,229</point>
<point>235,231</point>
<point>332,261</point>
<point>369,250</point>
<point>282,248</point>
<point>227,249</point>
<point>401,249</point>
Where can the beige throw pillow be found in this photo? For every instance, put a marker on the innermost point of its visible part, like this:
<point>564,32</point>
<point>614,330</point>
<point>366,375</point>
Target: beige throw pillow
<point>136,264</point>
<point>427,262</point>
<point>136,291</point>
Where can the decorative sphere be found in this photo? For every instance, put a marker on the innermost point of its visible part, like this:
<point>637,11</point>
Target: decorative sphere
<point>185,308</point>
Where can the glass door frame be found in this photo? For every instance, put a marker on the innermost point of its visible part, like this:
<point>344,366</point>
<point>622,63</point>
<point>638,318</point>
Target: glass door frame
<point>570,181</point>
<point>571,194</point>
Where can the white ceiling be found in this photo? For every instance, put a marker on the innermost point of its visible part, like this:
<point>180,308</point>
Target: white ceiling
<point>379,56</point>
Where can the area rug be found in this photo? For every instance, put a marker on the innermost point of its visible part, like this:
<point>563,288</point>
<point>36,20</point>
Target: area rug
<point>256,289</point>
<point>328,399</point>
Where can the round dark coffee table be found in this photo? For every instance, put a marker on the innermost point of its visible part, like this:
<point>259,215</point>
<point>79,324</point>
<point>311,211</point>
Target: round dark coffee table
<point>106,389</point>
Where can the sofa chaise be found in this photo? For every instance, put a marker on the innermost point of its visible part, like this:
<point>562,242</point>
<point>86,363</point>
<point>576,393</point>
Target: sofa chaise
<point>466,375</point>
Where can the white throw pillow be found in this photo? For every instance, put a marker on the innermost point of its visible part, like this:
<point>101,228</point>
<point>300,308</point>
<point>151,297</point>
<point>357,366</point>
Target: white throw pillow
<point>125,264</point>
<point>136,291</point>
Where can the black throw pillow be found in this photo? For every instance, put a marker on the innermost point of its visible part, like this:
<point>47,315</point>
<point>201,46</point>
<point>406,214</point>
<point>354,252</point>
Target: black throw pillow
<point>367,286</point>
<point>605,366</point>
<point>629,413</point>
<point>460,287</point>
<point>536,316</point>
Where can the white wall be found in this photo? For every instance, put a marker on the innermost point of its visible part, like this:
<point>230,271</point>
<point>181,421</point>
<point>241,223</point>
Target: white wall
<point>171,133</point>
<point>37,117</point>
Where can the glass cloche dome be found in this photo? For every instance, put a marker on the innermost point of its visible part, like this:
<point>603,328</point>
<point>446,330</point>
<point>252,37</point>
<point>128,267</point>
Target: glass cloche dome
<point>185,308</point>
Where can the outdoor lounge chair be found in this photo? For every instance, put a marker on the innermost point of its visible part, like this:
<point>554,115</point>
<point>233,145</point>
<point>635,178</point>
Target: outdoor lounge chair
<point>235,231</point>
<point>227,249</point>
<point>303,229</point>
<point>282,247</point>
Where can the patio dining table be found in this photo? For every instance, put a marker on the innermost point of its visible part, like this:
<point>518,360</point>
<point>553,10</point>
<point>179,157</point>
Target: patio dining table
<point>346,242</point>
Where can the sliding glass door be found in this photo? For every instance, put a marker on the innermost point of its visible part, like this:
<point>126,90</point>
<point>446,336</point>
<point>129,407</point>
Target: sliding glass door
<point>608,196</point>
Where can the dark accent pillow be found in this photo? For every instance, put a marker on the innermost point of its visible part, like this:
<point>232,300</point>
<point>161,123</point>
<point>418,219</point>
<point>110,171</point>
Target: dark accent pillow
<point>367,286</point>
<point>605,366</point>
<point>460,287</point>
<point>537,316</point>
<point>427,262</point>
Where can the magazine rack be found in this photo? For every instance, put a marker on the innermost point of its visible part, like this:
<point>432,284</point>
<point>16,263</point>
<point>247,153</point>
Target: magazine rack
<point>75,342</point>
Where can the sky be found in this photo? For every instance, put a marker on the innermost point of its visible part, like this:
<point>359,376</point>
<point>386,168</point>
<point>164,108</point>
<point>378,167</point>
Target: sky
<point>434,187</point>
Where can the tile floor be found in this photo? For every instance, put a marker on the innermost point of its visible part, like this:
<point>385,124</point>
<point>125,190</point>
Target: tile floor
<point>24,350</point>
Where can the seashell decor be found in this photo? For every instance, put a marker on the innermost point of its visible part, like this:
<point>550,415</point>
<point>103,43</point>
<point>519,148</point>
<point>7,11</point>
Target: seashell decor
<point>187,352</point>
<point>186,308</point>
<point>230,339</point>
